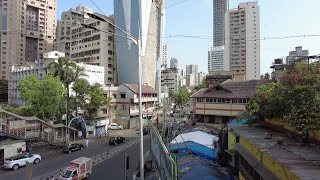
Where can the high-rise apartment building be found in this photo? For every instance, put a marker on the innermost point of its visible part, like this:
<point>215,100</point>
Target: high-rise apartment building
<point>242,42</point>
<point>27,30</point>
<point>127,17</point>
<point>70,18</point>
<point>216,53</point>
<point>192,70</point>
<point>94,47</point>
<point>174,62</point>
<point>164,54</point>
<point>216,59</point>
<point>219,9</point>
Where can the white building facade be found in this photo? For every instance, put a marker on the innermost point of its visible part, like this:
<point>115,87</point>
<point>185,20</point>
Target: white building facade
<point>216,61</point>
<point>192,69</point>
<point>242,42</point>
<point>164,54</point>
<point>94,74</point>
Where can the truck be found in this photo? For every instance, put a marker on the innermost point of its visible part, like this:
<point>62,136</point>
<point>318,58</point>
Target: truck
<point>77,169</point>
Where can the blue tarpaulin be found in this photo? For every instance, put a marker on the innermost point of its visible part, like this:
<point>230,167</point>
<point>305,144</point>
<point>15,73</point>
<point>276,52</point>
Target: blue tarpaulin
<point>197,168</point>
<point>196,149</point>
<point>236,122</point>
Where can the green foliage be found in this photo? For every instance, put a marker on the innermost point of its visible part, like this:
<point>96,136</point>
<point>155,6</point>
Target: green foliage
<point>181,97</point>
<point>94,100</point>
<point>265,76</point>
<point>43,97</point>
<point>90,98</point>
<point>200,86</point>
<point>65,69</point>
<point>296,99</point>
<point>3,90</point>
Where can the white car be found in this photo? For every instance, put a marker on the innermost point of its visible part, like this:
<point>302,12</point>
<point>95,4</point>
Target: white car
<point>21,160</point>
<point>115,126</point>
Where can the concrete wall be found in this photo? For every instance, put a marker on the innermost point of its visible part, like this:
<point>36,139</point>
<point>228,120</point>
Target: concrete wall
<point>12,149</point>
<point>219,109</point>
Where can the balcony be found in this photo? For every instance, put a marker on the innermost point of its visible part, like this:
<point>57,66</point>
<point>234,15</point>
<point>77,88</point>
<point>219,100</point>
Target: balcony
<point>145,99</point>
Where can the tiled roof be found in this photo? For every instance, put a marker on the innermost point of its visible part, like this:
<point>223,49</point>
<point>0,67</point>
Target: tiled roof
<point>231,89</point>
<point>145,89</point>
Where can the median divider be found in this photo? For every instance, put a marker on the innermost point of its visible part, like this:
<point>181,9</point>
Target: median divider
<point>95,159</point>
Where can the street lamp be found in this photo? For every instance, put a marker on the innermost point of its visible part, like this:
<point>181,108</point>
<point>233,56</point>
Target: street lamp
<point>137,42</point>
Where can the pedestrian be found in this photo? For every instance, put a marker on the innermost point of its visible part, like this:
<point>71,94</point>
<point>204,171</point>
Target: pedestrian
<point>87,143</point>
<point>51,178</point>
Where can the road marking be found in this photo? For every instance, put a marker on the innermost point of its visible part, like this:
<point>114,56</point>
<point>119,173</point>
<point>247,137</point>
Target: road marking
<point>103,156</point>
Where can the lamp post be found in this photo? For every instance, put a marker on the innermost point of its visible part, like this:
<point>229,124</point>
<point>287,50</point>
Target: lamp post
<point>137,42</point>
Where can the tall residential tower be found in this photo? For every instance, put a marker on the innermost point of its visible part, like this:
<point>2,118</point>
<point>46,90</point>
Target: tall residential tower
<point>216,53</point>
<point>27,31</point>
<point>219,9</point>
<point>242,42</point>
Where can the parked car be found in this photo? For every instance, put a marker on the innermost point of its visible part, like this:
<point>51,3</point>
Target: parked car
<point>21,160</point>
<point>116,140</point>
<point>115,126</point>
<point>72,147</point>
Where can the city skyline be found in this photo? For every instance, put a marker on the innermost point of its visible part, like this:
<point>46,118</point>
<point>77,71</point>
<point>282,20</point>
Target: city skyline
<point>193,50</point>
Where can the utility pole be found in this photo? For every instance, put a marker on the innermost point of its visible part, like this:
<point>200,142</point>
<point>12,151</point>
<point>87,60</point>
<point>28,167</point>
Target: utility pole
<point>164,118</point>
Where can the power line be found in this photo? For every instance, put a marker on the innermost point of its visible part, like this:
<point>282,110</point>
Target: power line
<point>172,5</point>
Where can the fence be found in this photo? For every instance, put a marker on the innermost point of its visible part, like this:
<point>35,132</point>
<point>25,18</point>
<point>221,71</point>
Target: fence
<point>166,165</point>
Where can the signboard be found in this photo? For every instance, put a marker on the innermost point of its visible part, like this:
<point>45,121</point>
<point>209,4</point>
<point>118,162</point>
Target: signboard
<point>166,165</point>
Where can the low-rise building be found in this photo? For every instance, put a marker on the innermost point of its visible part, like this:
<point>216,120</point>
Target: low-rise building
<point>9,148</point>
<point>94,74</point>
<point>125,107</point>
<point>225,101</point>
<point>214,79</point>
<point>266,153</point>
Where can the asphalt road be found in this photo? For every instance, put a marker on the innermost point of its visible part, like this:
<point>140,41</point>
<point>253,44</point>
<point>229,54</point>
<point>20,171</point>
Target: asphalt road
<point>58,161</point>
<point>114,168</point>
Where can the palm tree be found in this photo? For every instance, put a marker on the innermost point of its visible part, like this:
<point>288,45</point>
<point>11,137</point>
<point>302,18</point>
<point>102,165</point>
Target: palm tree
<point>65,69</point>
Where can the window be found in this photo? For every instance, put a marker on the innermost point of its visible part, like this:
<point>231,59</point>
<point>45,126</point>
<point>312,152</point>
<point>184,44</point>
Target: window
<point>123,96</point>
<point>115,96</point>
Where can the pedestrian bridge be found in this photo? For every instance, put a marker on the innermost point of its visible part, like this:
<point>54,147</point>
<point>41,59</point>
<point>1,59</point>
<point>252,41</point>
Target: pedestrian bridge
<point>33,128</point>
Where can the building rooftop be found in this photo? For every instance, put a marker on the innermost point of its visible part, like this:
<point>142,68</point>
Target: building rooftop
<point>9,141</point>
<point>231,89</point>
<point>301,159</point>
<point>145,89</point>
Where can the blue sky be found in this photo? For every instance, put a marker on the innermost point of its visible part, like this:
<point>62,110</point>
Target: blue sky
<point>278,18</point>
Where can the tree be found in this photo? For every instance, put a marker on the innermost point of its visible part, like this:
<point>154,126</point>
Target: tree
<point>43,97</point>
<point>296,100</point>
<point>68,72</point>
<point>266,76</point>
<point>3,90</point>
<point>94,100</point>
<point>81,87</point>
<point>200,86</point>
<point>181,97</point>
